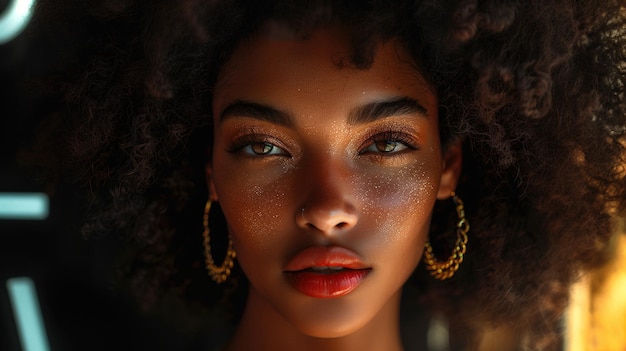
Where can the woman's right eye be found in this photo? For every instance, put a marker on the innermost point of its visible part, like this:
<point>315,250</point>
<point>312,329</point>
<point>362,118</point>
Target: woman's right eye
<point>257,145</point>
<point>262,149</point>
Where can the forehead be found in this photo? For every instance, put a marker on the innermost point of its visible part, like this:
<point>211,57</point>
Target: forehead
<point>273,65</point>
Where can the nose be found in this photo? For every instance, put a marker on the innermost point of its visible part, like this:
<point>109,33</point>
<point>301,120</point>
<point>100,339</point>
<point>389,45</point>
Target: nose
<point>327,219</point>
<point>327,207</point>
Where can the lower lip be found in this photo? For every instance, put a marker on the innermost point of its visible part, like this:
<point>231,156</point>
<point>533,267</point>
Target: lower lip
<point>327,285</point>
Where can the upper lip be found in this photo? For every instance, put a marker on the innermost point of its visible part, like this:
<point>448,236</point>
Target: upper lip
<point>318,256</point>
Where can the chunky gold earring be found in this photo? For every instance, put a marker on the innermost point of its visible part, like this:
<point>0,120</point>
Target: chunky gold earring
<point>443,270</point>
<point>221,273</point>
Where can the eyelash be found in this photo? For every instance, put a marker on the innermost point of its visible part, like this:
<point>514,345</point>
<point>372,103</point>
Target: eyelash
<point>247,140</point>
<point>392,136</point>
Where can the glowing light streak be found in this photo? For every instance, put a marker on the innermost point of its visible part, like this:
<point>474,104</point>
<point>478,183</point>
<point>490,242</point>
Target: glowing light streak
<point>27,314</point>
<point>14,19</point>
<point>33,206</point>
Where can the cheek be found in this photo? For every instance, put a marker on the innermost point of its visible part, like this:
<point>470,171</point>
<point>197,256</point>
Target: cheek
<point>398,205</point>
<point>253,205</point>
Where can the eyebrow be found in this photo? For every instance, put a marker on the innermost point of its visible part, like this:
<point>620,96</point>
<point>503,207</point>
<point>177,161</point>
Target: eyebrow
<point>241,108</point>
<point>363,114</point>
<point>386,108</point>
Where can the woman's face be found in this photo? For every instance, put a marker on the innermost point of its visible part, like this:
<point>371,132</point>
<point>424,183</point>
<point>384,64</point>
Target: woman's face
<point>326,174</point>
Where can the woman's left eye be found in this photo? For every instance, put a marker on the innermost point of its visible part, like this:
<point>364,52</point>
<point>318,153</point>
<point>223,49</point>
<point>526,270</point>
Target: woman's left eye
<point>386,146</point>
<point>389,143</point>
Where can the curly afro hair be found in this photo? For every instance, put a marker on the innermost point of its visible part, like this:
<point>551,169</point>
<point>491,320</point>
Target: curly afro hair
<point>535,89</point>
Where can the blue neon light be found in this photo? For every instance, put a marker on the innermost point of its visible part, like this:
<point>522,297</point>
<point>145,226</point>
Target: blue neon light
<point>34,206</point>
<point>14,19</point>
<point>27,314</point>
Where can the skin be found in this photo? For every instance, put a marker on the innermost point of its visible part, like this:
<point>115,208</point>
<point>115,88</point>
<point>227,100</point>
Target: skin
<point>368,185</point>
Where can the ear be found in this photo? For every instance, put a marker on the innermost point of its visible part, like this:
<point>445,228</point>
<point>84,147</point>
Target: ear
<point>452,165</point>
<point>210,184</point>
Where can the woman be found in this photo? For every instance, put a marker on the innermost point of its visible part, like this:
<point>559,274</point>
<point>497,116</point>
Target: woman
<point>337,144</point>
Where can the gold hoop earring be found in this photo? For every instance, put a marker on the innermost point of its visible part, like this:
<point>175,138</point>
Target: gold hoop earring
<point>221,273</point>
<point>443,270</point>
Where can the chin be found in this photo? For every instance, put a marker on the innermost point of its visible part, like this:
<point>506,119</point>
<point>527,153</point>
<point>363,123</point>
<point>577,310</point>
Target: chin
<point>333,318</point>
<point>331,329</point>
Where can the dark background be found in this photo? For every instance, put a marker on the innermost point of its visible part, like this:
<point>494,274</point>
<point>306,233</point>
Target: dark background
<point>82,307</point>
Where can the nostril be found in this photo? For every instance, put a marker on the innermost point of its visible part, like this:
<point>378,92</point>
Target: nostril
<point>341,225</point>
<point>325,220</point>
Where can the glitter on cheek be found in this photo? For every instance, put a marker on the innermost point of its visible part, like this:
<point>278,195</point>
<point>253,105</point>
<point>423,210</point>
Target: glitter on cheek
<point>396,205</point>
<point>257,210</point>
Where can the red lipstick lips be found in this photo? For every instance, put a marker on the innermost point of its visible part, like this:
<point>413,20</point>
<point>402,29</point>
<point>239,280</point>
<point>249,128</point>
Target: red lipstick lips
<point>326,272</point>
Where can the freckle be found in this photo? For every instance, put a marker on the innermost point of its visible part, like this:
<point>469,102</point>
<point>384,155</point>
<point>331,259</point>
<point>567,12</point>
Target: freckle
<point>263,220</point>
<point>288,167</point>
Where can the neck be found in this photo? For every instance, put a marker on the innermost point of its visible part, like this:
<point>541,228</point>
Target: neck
<point>263,328</point>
